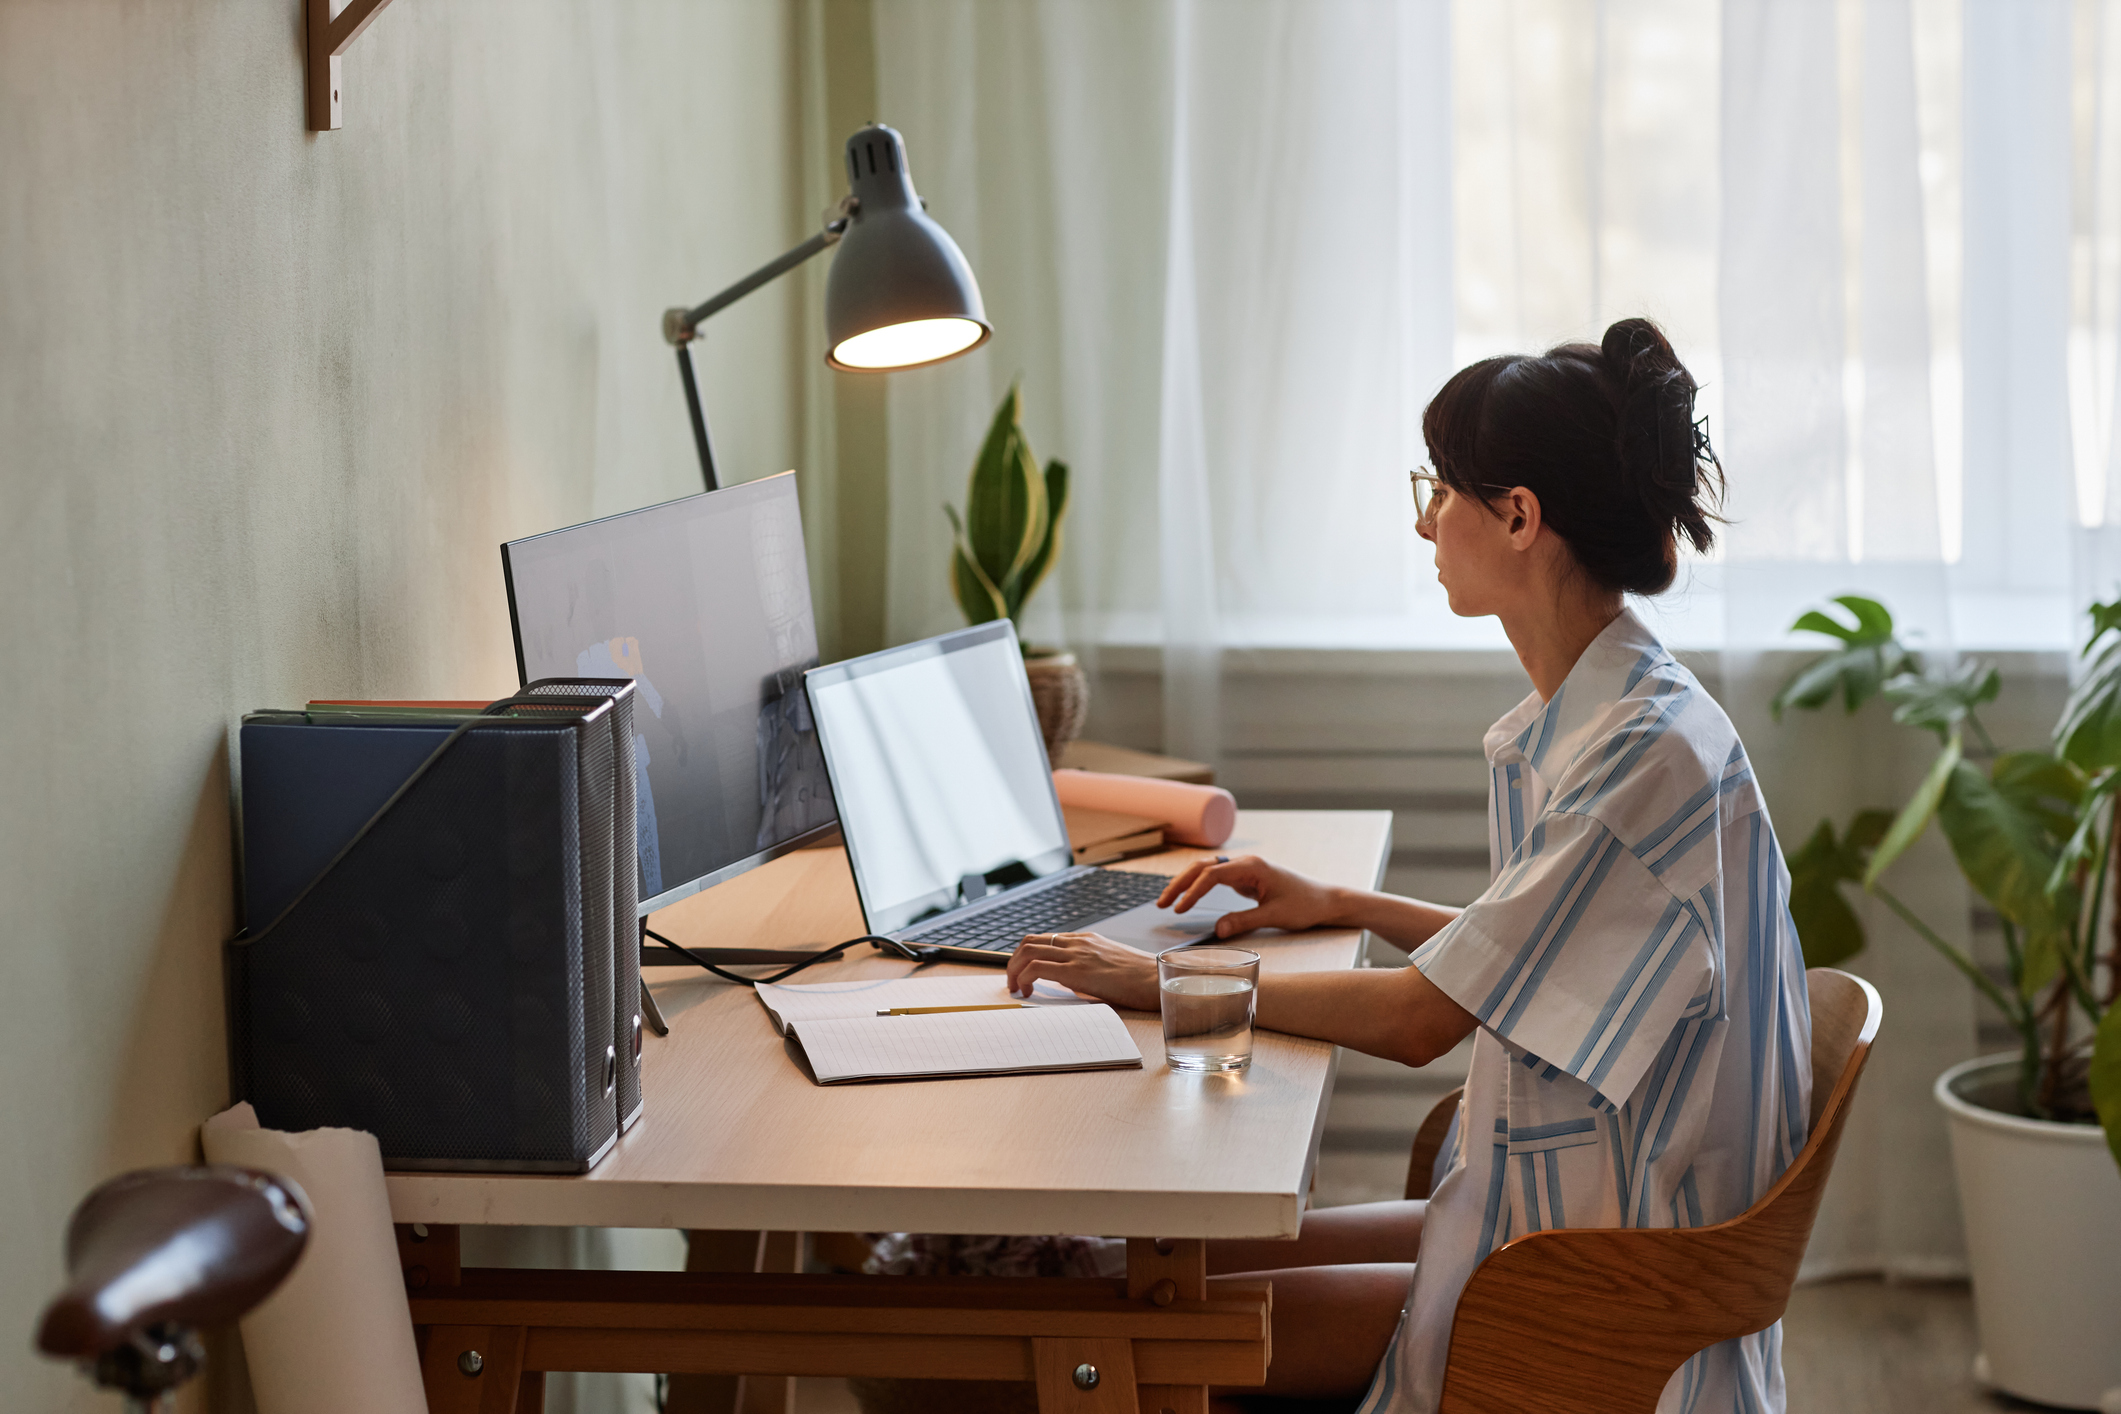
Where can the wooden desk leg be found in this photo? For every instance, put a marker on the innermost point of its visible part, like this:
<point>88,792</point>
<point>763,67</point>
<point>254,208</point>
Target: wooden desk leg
<point>772,1394</point>
<point>732,1250</point>
<point>430,1256</point>
<point>712,1250</point>
<point>1179,1268</point>
<point>1173,1399</point>
<point>1110,1376</point>
<point>474,1370</point>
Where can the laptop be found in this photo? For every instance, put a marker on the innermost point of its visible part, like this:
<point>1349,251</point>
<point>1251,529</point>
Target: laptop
<point>946,801</point>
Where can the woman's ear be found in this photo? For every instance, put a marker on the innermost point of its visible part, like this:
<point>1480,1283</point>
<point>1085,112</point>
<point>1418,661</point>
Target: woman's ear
<point>1520,517</point>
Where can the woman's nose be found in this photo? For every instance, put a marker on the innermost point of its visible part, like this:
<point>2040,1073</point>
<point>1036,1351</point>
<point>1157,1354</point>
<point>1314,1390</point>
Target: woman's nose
<point>1425,527</point>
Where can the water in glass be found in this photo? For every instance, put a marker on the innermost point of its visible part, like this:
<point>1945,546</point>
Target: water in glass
<point>1207,1006</point>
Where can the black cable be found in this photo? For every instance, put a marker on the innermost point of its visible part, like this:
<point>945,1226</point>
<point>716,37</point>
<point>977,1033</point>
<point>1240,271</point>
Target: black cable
<point>826,956</point>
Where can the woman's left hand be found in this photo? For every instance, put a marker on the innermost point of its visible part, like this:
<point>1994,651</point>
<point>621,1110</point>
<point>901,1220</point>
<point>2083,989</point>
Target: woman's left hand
<point>1111,972</point>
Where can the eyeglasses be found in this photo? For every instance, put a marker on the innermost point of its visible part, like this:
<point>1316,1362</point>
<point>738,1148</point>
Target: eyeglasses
<point>1432,491</point>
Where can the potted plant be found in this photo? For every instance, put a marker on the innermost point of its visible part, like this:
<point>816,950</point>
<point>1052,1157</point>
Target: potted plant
<point>2036,1134</point>
<point>1003,546</point>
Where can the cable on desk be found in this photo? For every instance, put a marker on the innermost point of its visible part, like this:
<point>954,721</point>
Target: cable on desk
<point>826,956</point>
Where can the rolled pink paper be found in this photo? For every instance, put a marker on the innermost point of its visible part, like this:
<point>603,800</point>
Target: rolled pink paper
<point>1191,814</point>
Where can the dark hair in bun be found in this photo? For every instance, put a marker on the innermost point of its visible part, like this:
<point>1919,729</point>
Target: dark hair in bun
<point>1604,435</point>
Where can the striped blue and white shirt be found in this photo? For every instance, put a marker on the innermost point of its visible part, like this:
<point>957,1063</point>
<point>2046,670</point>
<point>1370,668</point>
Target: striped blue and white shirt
<point>1644,1051</point>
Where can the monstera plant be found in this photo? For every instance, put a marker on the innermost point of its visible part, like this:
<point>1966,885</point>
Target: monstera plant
<point>2032,831</point>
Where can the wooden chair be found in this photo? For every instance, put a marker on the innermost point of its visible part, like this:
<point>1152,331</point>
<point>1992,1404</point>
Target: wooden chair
<point>1596,1320</point>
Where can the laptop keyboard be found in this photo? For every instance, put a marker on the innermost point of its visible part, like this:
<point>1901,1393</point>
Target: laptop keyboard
<point>1063,908</point>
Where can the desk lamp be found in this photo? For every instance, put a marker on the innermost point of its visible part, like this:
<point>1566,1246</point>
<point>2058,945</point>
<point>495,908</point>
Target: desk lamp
<point>900,295</point>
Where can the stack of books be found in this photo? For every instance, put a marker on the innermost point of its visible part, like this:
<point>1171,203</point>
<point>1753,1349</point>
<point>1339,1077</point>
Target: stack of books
<point>1101,836</point>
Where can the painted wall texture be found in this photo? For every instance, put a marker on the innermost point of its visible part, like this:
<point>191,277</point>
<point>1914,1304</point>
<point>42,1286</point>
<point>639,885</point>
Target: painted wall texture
<point>269,401</point>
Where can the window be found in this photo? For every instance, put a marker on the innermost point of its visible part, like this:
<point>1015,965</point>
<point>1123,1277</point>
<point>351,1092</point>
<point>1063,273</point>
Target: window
<point>1232,247</point>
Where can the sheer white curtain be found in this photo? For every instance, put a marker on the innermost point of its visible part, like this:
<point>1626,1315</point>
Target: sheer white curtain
<point>1215,242</point>
<point>1827,364</point>
<point>1250,236</point>
<point>1230,248</point>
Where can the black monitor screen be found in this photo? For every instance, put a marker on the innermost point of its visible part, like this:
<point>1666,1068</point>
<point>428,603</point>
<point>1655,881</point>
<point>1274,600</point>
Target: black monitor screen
<point>705,604</point>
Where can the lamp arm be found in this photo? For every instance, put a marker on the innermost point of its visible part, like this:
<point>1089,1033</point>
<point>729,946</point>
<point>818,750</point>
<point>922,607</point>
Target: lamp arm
<point>700,441</point>
<point>679,325</point>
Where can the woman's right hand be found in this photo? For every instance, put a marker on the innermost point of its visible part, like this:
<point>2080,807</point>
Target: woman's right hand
<point>1286,899</point>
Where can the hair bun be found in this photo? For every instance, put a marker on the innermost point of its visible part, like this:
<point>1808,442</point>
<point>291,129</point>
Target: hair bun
<point>1660,451</point>
<point>1603,434</point>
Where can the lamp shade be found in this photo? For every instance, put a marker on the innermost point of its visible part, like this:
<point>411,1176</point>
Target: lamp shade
<point>900,293</point>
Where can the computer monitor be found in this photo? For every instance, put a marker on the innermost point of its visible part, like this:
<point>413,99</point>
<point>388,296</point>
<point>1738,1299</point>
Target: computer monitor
<point>705,603</point>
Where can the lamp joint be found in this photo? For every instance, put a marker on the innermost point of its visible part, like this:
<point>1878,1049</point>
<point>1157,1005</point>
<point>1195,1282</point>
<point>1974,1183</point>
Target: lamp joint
<point>838,216</point>
<point>678,327</point>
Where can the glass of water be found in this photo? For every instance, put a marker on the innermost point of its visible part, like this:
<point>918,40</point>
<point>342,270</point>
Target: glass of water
<point>1207,997</point>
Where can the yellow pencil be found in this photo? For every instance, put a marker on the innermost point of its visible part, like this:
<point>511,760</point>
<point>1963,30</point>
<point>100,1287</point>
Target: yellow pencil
<point>932,1010</point>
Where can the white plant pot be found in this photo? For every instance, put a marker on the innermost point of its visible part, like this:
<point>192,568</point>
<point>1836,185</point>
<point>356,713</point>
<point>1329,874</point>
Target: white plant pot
<point>2042,1204</point>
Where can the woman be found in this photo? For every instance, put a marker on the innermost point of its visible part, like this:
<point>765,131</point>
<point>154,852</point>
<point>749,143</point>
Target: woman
<point>1631,977</point>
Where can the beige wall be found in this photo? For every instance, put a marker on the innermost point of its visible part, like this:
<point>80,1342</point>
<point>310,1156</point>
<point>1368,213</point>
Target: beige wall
<point>269,400</point>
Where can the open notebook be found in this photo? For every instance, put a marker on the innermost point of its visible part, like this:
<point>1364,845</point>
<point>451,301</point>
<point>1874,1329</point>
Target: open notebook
<point>838,1026</point>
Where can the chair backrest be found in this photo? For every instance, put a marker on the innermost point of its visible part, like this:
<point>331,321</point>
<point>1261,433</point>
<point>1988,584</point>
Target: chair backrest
<point>1428,1144</point>
<point>1618,1310</point>
<point>1845,1014</point>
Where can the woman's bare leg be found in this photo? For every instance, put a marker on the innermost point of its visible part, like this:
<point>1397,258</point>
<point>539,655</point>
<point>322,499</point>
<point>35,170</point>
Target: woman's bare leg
<point>1331,1326</point>
<point>1331,1237</point>
<point>1338,1291</point>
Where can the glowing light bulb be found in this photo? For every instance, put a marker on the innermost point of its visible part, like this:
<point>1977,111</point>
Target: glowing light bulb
<point>904,345</point>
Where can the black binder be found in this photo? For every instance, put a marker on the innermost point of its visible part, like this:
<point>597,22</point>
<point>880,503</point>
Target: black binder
<point>446,980</point>
<point>625,870</point>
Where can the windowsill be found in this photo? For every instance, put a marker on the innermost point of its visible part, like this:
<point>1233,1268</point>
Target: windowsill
<point>1690,621</point>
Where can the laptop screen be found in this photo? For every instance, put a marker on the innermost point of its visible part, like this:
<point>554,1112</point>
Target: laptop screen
<point>939,773</point>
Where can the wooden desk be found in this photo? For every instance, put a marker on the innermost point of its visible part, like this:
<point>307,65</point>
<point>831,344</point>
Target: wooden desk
<point>736,1137</point>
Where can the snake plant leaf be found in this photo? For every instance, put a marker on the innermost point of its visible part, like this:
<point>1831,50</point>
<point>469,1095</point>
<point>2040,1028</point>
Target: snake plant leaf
<point>976,594</point>
<point>1056,504</point>
<point>2089,732</point>
<point>1827,927</point>
<point>1870,654</point>
<point>1941,701</point>
<point>1914,816</point>
<point>1000,514</point>
<point>1012,582</point>
<point>1008,537</point>
<point>2106,1078</point>
<point>2007,829</point>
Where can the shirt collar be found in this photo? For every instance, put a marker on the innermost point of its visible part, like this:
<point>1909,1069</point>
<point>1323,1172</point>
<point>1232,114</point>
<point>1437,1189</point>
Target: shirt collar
<point>1536,733</point>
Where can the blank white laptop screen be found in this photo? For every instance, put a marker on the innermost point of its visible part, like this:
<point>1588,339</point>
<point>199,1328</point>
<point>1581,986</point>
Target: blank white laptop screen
<point>939,772</point>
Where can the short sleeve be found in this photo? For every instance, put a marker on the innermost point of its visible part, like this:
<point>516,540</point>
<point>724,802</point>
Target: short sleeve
<point>1578,955</point>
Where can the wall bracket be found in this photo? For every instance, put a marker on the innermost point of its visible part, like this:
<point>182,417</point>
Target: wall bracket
<point>327,37</point>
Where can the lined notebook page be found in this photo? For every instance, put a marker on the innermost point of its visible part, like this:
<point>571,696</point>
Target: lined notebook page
<point>967,1043</point>
<point>798,1005</point>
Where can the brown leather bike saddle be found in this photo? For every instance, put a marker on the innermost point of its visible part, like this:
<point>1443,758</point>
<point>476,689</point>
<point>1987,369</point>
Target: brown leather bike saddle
<point>153,1254</point>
